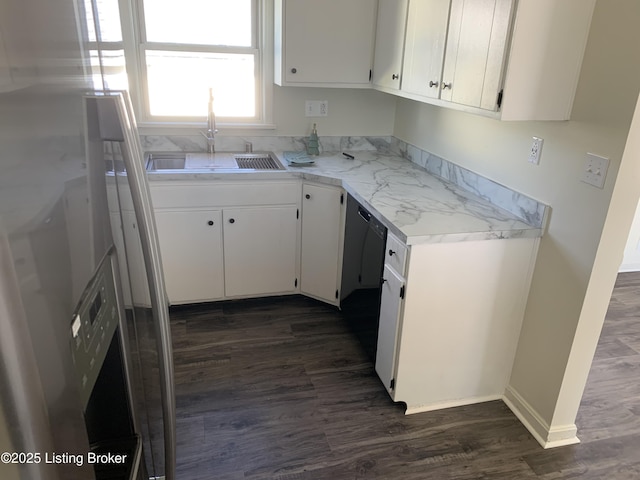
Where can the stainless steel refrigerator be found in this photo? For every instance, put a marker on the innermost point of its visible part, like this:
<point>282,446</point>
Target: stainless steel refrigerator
<point>86,375</point>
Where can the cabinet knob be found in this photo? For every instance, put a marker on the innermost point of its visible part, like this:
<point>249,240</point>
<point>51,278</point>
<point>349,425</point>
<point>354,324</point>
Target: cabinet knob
<point>391,253</point>
<point>395,76</point>
<point>383,280</point>
<point>210,222</point>
<point>307,196</point>
<point>294,70</point>
<point>232,220</point>
<point>433,84</point>
<point>446,85</point>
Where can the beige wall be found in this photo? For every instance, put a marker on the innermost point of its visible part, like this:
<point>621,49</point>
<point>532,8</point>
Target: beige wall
<point>606,97</point>
<point>355,112</point>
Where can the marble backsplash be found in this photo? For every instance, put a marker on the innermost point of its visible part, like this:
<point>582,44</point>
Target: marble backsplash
<point>526,208</point>
<point>531,211</point>
<point>197,143</point>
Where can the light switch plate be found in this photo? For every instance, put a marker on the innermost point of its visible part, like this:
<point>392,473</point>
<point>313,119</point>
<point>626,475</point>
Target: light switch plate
<point>595,170</point>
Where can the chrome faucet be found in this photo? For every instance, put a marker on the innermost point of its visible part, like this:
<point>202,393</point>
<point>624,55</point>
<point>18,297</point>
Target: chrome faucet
<point>211,126</point>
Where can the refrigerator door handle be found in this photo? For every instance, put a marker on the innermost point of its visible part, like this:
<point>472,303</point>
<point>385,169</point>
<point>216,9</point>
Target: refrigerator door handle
<point>141,196</point>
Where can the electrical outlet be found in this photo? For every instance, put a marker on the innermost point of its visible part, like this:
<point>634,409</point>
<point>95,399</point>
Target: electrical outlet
<point>536,150</point>
<point>316,108</point>
<point>324,108</point>
<point>595,170</point>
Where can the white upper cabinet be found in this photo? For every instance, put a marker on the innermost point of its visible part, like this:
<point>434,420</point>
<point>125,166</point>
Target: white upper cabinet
<point>325,43</point>
<point>424,47</point>
<point>392,18</point>
<point>500,58</point>
<point>547,47</point>
<point>475,52</point>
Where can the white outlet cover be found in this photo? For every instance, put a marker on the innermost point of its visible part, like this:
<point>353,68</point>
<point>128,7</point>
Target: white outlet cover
<point>316,108</point>
<point>595,170</point>
<point>536,150</point>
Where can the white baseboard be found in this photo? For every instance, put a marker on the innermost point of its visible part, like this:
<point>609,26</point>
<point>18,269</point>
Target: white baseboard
<point>629,267</point>
<point>547,437</point>
<point>456,403</point>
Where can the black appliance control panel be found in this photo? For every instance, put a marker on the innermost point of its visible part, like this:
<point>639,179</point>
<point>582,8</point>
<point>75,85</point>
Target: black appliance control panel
<point>93,326</point>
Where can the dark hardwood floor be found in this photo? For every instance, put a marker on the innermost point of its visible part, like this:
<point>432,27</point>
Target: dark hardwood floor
<point>281,389</point>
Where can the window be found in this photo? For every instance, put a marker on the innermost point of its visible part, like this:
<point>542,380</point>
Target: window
<point>104,45</point>
<point>184,48</point>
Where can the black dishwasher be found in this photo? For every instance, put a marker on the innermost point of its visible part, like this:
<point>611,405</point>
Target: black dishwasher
<point>362,266</point>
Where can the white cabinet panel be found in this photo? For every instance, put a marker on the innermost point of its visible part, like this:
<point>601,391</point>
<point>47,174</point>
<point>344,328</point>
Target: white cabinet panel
<point>328,42</point>
<point>425,46</point>
<point>260,250</point>
<point>390,31</point>
<point>475,53</point>
<point>322,224</point>
<point>390,309</point>
<point>191,250</point>
<point>396,254</point>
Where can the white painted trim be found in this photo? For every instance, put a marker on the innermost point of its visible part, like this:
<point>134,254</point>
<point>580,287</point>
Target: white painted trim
<point>451,404</point>
<point>629,267</point>
<point>547,437</point>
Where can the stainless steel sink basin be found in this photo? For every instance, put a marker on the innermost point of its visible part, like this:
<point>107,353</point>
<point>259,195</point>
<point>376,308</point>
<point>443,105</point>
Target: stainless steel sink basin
<point>180,161</point>
<point>166,161</point>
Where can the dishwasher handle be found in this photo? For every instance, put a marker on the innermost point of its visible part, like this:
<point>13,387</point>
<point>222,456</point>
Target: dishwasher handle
<point>364,214</point>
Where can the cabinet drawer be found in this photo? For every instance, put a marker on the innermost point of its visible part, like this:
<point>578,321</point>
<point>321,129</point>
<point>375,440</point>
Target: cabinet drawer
<point>219,195</point>
<point>396,254</point>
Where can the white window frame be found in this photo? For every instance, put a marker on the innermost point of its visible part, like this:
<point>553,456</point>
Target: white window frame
<point>133,33</point>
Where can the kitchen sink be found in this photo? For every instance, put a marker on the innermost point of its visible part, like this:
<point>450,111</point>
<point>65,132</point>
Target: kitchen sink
<point>257,161</point>
<point>166,161</point>
<point>180,161</point>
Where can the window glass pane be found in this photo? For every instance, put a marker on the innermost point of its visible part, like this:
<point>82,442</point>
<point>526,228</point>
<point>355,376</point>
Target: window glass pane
<point>91,26</point>
<point>179,83</point>
<point>204,22</point>
<point>108,20</point>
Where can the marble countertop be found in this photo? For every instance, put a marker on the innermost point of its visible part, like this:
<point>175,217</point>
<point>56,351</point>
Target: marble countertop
<point>415,205</point>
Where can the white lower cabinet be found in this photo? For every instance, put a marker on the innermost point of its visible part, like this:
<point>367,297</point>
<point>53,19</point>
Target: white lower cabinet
<point>260,250</point>
<point>191,250</point>
<point>321,244</point>
<point>223,240</point>
<point>449,329</point>
<point>390,311</point>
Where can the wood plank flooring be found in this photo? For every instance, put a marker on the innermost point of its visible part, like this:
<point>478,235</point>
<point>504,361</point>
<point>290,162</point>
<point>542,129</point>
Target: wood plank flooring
<point>281,389</point>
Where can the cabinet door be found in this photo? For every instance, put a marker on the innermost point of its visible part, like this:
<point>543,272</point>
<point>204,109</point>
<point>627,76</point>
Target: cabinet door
<point>322,221</point>
<point>191,250</point>
<point>424,47</point>
<point>387,65</point>
<point>328,41</point>
<point>475,54</point>
<point>260,250</point>
<point>390,310</point>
